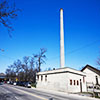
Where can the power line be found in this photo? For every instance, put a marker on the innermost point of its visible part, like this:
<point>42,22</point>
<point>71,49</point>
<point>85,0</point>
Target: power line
<point>83,47</point>
<point>78,49</point>
<point>73,51</point>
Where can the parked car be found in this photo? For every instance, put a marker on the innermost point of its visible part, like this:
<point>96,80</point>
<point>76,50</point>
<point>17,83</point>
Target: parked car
<point>8,82</point>
<point>1,83</point>
<point>28,84</point>
<point>11,82</point>
<point>14,83</point>
<point>20,83</point>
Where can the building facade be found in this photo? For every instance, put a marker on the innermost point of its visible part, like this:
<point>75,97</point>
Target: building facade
<point>62,79</point>
<point>92,75</point>
<point>2,77</point>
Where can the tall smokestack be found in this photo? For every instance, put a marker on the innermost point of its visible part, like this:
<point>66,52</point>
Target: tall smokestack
<point>62,58</point>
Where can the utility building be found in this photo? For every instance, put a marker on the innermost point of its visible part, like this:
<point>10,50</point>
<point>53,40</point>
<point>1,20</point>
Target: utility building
<point>62,79</point>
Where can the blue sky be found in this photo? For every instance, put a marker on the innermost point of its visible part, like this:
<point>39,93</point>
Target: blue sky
<point>38,26</point>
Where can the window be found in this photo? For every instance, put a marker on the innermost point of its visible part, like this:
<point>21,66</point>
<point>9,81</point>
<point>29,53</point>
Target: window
<point>70,82</point>
<point>96,80</point>
<point>83,79</point>
<point>37,77</point>
<point>74,82</point>
<point>45,77</point>
<point>41,77</point>
<point>77,82</point>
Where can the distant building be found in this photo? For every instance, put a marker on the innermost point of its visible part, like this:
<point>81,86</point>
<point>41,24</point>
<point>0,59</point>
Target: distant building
<point>92,75</point>
<point>2,77</point>
<point>62,79</point>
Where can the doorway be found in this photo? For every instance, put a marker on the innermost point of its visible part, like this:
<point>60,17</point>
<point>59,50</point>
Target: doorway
<point>80,85</point>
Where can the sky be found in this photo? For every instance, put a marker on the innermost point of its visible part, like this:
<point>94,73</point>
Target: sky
<point>38,26</point>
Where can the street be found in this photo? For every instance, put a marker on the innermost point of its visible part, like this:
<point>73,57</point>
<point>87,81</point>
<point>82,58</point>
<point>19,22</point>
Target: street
<point>10,92</point>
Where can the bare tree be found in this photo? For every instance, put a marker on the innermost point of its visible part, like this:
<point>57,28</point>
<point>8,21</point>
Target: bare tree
<point>26,60</point>
<point>32,70</point>
<point>40,58</point>
<point>26,70</point>
<point>10,72</point>
<point>32,61</point>
<point>98,61</point>
<point>8,11</point>
<point>25,67</point>
<point>17,66</point>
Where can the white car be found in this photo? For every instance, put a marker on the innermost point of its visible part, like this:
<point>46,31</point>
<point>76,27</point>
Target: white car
<point>28,84</point>
<point>14,83</point>
<point>8,82</point>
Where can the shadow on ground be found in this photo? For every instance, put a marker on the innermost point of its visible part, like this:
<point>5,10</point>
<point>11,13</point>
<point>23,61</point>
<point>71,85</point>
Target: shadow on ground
<point>9,96</point>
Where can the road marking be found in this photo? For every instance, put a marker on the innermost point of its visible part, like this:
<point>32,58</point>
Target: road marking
<point>17,98</point>
<point>30,94</point>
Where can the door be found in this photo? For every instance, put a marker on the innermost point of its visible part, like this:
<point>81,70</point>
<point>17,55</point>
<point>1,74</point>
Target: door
<point>80,85</point>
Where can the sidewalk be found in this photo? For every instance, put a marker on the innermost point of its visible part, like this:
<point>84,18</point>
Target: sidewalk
<point>64,94</point>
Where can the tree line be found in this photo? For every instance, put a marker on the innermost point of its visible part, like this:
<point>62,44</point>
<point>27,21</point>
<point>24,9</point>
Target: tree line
<point>26,69</point>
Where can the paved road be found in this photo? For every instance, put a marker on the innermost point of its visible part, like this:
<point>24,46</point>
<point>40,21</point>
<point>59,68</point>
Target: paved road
<point>10,92</point>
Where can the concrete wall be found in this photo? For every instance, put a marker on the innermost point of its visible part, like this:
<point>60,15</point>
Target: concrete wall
<point>91,76</point>
<point>54,82</point>
<point>61,82</point>
<point>75,87</point>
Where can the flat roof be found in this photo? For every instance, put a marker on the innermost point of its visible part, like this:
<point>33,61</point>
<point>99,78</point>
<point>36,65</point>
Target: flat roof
<point>62,70</point>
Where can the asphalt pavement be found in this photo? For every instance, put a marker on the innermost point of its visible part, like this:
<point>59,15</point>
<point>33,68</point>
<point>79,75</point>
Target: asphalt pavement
<point>10,92</point>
